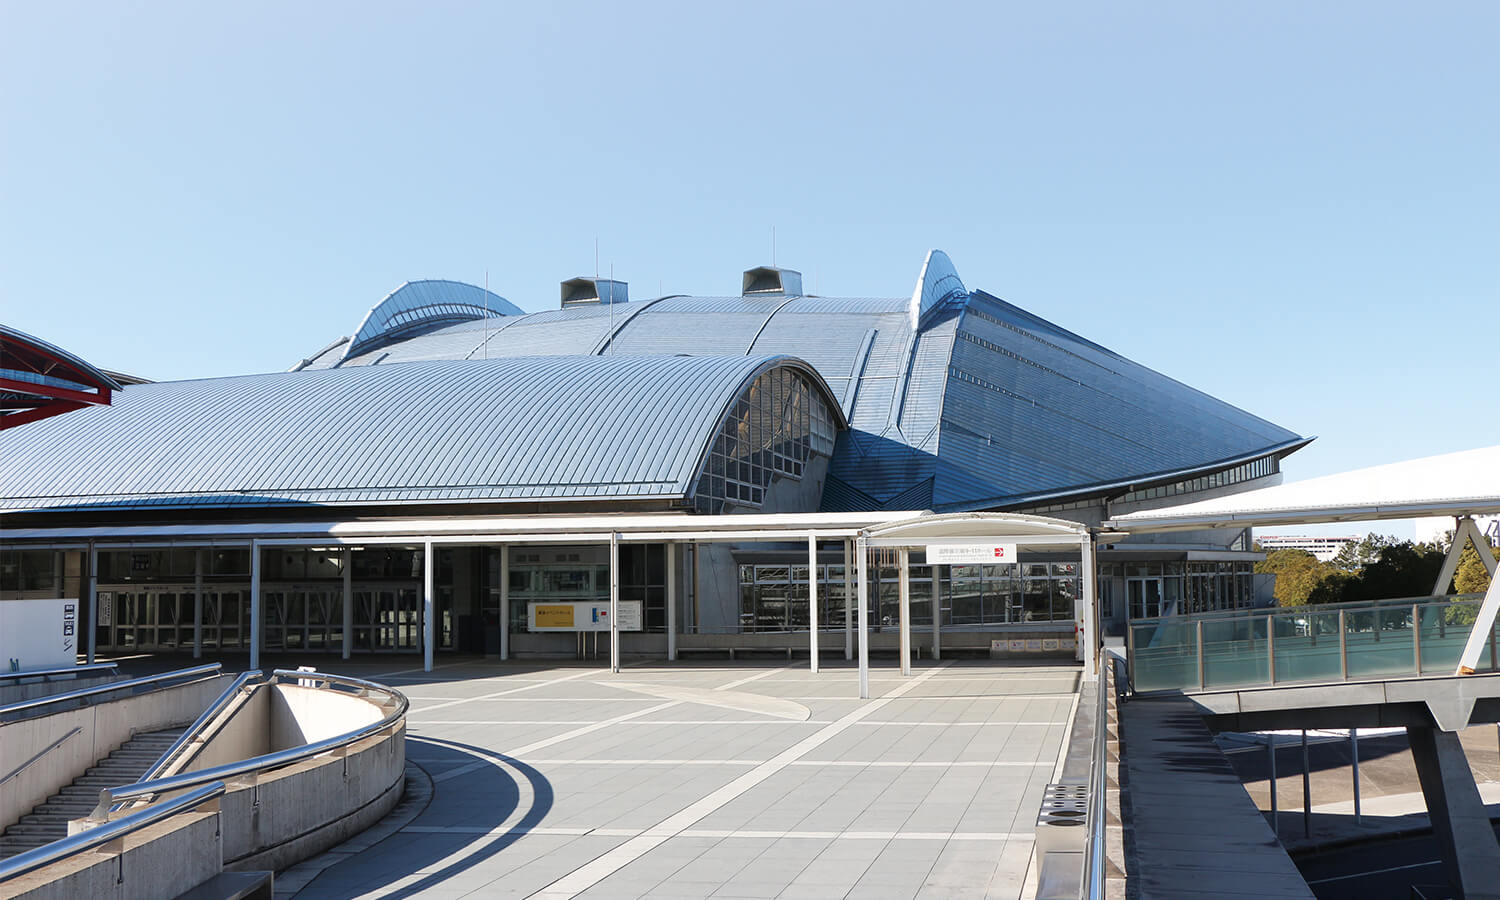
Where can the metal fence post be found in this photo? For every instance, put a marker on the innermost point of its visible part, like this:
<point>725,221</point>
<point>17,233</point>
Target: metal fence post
<point>1354,757</point>
<point>1271,759</point>
<point>1343,648</point>
<point>1198,629</point>
<point>1416,637</point>
<point>1271,647</point>
<point>1306,789</point>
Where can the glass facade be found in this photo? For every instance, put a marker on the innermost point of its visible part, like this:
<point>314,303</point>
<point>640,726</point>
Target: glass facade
<point>1154,589</point>
<point>774,597</point>
<point>773,430</point>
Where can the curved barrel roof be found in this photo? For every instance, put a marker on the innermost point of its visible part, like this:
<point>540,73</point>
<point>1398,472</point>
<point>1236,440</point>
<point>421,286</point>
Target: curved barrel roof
<point>520,428</point>
<point>956,400</point>
<point>39,380</point>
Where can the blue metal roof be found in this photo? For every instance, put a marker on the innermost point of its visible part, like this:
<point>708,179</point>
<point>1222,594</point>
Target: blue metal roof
<point>520,428</point>
<point>953,397</point>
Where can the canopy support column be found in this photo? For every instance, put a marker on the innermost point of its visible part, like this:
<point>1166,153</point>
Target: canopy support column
<point>848,603</point>
<point>1090,601</point>
<point>197,604</point>
<point>904,560</point>
<point>255,616</point>
<point>93,601</point>
<point>937,610</point>
<point>429,605</point>
<point>862,550</point>
<point>348,568</point>
<point>671,601</point>
<point>504,602</point>
<point>614,601</point>
<point>1465,533</point>
<point>812,603</point>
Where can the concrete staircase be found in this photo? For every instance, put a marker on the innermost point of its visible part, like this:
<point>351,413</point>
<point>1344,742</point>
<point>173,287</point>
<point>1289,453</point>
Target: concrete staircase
<point>49,821</point>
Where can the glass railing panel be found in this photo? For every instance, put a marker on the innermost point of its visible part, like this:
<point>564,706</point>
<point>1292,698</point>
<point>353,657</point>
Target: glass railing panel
<point>1379,642</point>
<point>1165,655</point>
<point>1307,646</point>
<point>1235,652</point>
<point>1445,631</point>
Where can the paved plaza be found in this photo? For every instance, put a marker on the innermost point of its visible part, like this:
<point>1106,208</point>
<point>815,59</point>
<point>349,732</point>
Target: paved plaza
<point>710,780</point>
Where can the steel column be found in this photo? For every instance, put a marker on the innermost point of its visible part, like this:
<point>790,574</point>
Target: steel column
<point>848,603</point>
<point>1271,763</point>
<point>812,602</point>
<point>348,568</point>
<point>614,601</point>
<point>93,601</point>
<point>504,602</point>
<point>904,560</point>
<point>1090,600</point>
<point>937,609</point>
<point>197,604</point>
<point>255,617</point>
<point>429,606</point>
<point>671,552</point>
<point>1306,789</point>
<point>862,552</point>
<point>1354,760</point>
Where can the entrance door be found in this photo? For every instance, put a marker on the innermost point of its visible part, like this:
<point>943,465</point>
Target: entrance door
<point>1144,595</point>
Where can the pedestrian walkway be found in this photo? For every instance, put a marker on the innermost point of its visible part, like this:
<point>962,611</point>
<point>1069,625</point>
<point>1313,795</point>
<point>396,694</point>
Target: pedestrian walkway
<point>716,780</point>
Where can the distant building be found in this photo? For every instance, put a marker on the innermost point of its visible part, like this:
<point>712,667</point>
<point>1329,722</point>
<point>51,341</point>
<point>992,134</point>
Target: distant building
<point>1324,547</point>
<point>1437,529</point>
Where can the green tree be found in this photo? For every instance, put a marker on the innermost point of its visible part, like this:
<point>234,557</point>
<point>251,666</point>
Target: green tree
<point>1298,573</point>
<point>1472,577</point>
<point>1400,569</point>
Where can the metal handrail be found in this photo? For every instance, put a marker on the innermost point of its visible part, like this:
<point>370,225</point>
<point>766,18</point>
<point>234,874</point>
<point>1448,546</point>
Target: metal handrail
<point>1352,606</point>
<point>40,753</point>
<point>191,732</point>
<point>255,765</point>
<point>86,693</point>
<point>103,834</point>
<point>1092,885</point>
<point>64,670</point>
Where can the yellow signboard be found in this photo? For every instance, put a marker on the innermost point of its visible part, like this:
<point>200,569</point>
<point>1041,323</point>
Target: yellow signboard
<point>558,615</point>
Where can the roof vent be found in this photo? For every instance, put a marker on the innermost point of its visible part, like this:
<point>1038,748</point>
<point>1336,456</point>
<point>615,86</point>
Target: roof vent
<point>768,281</point>
<point>579,291</point>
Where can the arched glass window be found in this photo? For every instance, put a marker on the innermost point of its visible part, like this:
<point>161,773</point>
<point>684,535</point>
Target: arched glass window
<point>772,432</point>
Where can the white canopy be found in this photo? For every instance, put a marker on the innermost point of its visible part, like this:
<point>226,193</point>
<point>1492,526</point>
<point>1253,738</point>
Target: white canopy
<point>1452,484</point>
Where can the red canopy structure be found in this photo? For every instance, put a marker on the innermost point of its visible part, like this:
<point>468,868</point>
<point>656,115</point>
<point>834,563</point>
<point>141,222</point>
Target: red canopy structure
<point>38,380</point>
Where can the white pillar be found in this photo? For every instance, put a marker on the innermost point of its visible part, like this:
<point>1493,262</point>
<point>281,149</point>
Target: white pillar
<point>504,602</point>
<point>197,604</point>
<point>904,561</point>
<point>255,618</point>
<point>1479,635</point>
<point>848,603</point>
<point>93,600</point>
<point>1090,601</point>
<point>862,550</point>
<point>812,602</point>
<point>614,601</point>
<point>937,611</point>
<point>348,572</point>
<point>429,606</point>
<point>671,602</point>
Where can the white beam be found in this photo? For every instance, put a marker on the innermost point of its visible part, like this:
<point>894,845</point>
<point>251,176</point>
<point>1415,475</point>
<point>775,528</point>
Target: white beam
<point>429,606</point>
<point>671,601</point>
<point>614,603</point>
<point>937,609</point>
<point>812,602</point>
<point>504,602</point>
<point>862,552</point>
<point>255,616</point>
<point>1479,635</point>
<point>904,561</point>
<point>1462,532</point>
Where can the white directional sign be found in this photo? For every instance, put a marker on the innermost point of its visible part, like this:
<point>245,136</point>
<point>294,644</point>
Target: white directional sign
<point>970,554</point>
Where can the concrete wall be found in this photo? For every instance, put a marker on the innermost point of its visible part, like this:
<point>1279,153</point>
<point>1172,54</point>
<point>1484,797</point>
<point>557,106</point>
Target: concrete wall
<point>162,860</point>
<point>104,726</point>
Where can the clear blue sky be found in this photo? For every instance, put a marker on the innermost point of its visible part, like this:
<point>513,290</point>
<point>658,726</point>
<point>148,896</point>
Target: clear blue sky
<point>1294,207</point>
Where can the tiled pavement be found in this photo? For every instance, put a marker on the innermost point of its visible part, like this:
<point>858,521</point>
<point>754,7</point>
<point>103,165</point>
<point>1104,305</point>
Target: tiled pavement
<point>703,780</point>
